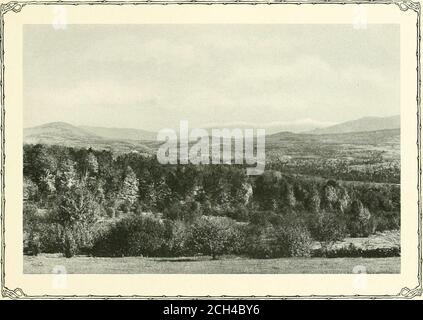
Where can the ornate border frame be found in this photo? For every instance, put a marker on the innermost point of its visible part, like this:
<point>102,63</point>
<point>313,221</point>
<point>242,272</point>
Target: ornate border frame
<point>17,6</point>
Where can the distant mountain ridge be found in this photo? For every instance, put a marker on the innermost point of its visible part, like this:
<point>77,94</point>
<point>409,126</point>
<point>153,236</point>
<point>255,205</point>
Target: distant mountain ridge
<point>120,133</point>
<point>57,130</point>
<point>361,125</point>
<point>296,126</point>
<point>364,131</point>
<point>65,134</point>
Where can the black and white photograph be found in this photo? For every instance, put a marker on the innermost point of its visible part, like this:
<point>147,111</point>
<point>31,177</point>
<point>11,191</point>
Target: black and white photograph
<point>211,149</point>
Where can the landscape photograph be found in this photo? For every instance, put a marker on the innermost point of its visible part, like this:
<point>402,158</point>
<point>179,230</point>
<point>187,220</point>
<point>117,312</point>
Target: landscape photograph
<point>317,107</point>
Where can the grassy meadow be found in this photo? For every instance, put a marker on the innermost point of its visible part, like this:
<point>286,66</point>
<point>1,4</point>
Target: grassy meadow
<point>45,263</point>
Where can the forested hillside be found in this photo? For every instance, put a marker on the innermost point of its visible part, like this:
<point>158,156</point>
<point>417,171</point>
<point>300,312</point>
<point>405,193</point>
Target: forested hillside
<point>76,199</point>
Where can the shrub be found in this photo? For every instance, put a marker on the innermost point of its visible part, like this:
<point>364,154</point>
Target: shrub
<point>214,236</point>
<point>352,251</point>
<point>40,234</point>
<point>359,222</point>
<point>292,241</point>
<point>131,236</point>
<point>31,242</point>
<point>259,242</point>
<point>389,220</point>
<point>50,237</point>
<point>145,237</point>
<point>327,227</point>
<point>289,240</point>
<point>69,244</point>
<point>176,238</point>
<point>237,239</point>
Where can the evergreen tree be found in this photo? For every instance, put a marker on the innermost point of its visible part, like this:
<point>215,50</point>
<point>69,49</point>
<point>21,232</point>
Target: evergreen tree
<point>130,188</point>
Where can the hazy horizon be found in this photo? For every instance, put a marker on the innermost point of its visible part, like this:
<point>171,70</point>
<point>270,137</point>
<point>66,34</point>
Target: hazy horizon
<point>241,125</point>
<point>152,76</point>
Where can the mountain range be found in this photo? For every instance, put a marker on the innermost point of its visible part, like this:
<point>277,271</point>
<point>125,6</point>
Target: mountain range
<point>116,139</point>
<point>362,125</point>
<point>124,140</point>
<point>120,133</point>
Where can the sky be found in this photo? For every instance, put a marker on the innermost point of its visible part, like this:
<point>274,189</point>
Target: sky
<point>152,76</point>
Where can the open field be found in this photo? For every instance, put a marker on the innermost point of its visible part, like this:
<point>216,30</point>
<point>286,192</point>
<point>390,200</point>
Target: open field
<point>132,265</point>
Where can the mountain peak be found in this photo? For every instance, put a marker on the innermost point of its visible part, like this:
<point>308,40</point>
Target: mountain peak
<point>363,124</point>
<point>55,129</point>
<point>57,124</point>
<point>54,124</point>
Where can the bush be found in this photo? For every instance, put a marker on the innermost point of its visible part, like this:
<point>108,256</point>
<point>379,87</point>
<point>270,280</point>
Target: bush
<point>50,237</point>
<point>176,238</point>
<point>40,234</point>
<point>259,241</point>
<point>327,227</point>
<point>290,240</point>
<point>131,236</point>
<point>386,221</point>
<point>214,236</point>
<point>352,251</point>
<point>69,244</point>
<point>53,239</point>
<point>31,242</point>
<point>359,221</point>
<point>293,241</point>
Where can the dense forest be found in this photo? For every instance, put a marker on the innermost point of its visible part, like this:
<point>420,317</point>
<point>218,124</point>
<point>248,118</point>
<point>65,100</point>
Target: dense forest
<point>100,203</point>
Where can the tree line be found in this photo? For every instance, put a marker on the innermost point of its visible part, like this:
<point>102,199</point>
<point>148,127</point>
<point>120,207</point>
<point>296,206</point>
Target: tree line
<point>90,201</point>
